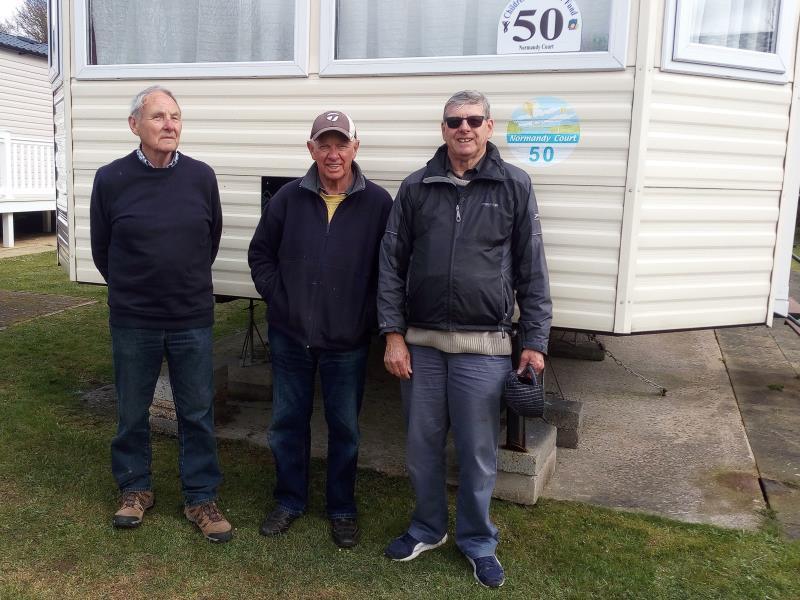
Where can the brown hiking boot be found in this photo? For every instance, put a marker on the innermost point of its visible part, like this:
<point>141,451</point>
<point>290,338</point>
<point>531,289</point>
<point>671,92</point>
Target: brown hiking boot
<point>210,520</point>
<point>131,509</point>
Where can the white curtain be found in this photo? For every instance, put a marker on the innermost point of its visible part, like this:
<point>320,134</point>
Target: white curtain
<point>190,31</point>
<point>392,29</point>
<point>742,24</point>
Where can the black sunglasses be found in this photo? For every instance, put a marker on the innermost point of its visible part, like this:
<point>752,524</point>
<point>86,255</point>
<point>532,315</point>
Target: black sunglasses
<point>474,121</point>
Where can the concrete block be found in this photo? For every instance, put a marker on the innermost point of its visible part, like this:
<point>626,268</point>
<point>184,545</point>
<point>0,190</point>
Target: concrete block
<point>163,412</point>
<point>564,414</point>
<point>586,350</point>
<point>567,438</point>
<point>163,389</point>
<point>162,409</point>
<point>540,442</point>
<point>524,489</point>
<point>166,426</point>
<point>220,380</point>
<point>521,476</point>
<point>253,382</point>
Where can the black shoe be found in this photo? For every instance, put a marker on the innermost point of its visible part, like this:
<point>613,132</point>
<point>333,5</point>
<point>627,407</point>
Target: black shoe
<point>277,522</point>
<point>344,532</point>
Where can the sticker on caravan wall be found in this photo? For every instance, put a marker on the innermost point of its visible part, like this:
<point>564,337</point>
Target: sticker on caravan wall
<point>543,131</point>
<point>539,26</point>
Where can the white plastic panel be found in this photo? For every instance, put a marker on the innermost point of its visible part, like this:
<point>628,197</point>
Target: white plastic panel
<point>704,258</point>
<point>246,129</point>
<point>712,133</point>
<point>581,229</point>
<point>26,98</point>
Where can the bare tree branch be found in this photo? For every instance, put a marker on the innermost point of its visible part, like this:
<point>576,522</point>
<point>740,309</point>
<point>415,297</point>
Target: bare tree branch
<point>29,20</point>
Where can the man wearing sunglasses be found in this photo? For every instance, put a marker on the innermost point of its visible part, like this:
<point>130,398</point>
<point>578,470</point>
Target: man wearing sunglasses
<point>462,237</point>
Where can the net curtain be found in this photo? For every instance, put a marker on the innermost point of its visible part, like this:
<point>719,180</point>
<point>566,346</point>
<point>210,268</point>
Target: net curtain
<point>391,29</point>
<point>742,24</point>
<point>190,31</point>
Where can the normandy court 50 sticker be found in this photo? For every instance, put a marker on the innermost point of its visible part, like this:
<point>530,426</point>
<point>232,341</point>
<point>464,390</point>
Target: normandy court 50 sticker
<point>539,26</point>
<point>543,131</point>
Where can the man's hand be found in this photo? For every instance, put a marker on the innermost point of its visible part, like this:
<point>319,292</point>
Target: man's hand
<point>533,358</point>
<point>397,359</point>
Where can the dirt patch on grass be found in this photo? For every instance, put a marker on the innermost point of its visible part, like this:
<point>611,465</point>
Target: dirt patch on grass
<point>62,579</point>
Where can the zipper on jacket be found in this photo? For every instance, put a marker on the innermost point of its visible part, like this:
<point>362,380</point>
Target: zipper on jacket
<point>459,197</point>
<point>315,293</point>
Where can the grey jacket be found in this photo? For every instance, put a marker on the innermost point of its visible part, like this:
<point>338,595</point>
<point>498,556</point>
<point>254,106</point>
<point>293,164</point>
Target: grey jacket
<point>452,256</point>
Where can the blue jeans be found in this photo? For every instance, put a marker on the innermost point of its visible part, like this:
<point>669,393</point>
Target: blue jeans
<point>462,391</point>
<point>137,363</point>
<point>342,377</point>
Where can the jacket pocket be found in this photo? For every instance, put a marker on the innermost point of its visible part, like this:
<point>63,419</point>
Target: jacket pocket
<point>505,299</point>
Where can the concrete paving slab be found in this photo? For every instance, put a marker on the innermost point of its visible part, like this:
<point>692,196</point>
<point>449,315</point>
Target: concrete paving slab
<point>768,392</point>
<point>382,423</point>
<point>684,456</point>
<point>30,243</point>
<point>17,307</point>
<point>788,341</point>
<point>767,389</point>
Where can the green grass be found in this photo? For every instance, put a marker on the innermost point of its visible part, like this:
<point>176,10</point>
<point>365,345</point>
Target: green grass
<point>57,496</point>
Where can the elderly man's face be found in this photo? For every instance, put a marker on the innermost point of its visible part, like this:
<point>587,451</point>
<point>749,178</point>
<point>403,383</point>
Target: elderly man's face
<point>334,155</point>
<point>465,143</point>
<point>158,125</point>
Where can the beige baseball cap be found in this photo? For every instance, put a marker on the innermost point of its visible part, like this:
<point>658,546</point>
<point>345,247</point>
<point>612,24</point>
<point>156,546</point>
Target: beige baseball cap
<point>333,120</point>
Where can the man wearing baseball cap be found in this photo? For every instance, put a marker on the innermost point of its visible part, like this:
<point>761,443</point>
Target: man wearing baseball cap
<point>314,259</point>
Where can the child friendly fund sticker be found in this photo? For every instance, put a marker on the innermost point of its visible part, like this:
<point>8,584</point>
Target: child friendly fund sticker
<point>539,26</point>
<point>543,131</point>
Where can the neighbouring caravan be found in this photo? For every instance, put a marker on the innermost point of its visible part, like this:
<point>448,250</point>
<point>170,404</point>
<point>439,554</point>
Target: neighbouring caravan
<point>26,133</point>
<point>662,135</point>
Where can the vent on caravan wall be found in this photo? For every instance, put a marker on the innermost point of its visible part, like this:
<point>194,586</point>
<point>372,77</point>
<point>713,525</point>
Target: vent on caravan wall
<point>269,187</point>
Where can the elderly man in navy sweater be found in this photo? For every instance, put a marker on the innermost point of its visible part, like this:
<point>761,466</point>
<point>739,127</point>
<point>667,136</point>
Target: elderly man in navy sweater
<point>314,259</point>
<point>156,224</point>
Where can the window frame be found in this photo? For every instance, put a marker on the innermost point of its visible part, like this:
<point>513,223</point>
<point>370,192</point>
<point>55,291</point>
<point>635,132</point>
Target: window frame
<point>54,46</point>
<point>297,67</point>
<point>681,55</point>
<point>610,60</point>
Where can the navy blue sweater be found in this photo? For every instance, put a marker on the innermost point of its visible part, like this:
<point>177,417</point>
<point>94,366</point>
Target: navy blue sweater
<point>155,234</point>
<point>320,279</point>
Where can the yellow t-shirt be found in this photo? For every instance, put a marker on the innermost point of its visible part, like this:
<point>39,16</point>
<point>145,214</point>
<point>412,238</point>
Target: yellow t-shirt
<point>332,201</point>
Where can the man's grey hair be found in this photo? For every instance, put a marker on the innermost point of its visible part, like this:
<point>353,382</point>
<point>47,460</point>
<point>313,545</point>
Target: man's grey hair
<point>138,100</point>
<point>467,97</point>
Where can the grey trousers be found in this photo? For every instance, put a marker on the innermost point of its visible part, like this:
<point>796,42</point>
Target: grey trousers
<point>462,391</point>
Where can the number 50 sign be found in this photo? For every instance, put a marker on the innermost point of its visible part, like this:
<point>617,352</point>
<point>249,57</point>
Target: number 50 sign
<point>539,26</point>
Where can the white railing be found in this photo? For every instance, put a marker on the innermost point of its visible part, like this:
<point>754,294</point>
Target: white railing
<point>5,165</point>
<point>27,168</point>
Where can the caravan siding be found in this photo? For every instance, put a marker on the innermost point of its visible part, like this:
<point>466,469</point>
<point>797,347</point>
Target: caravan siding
<point>61,177</point>
<point>26,101</point>
<point>246,129</point>
<point>714,172</point>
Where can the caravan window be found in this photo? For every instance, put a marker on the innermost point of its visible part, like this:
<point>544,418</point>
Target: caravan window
<point>191,38</point>
<point>387,37</point>
<point>54,39</point>
<point>744,39</point>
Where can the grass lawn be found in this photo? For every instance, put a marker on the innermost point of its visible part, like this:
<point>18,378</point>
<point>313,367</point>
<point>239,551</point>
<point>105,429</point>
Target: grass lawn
<point>57,496</point>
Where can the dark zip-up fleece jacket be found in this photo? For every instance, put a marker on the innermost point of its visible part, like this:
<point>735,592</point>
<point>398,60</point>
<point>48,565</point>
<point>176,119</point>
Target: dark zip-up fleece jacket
<point>319,279</point>
<point>453,256</point>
